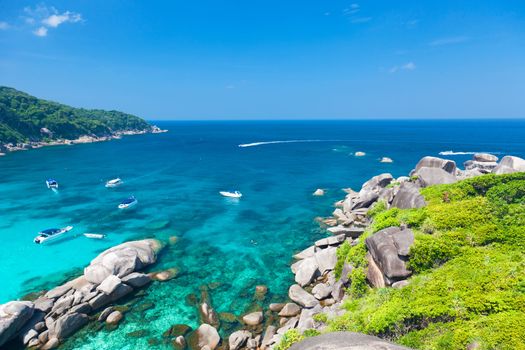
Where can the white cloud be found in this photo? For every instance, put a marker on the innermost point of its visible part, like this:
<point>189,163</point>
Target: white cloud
<point>352,10</point>
<point>449,41</point>
<point>57,19</point>
<point>42,31</point>
<point>48,17</point>
<point>4,25</point>
<point>406,66</point>
<point>352,13</point>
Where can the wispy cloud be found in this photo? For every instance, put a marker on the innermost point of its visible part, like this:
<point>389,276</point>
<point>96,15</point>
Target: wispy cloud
<point>4,25</point>
<point>407,66</point>
<point>57,19</point>
<point>449,41</point>
<point>353,12</point>
<point>41,31</point>
<point>48,17</point>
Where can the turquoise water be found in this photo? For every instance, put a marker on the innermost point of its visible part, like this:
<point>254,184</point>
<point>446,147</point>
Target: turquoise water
<point>230,246</point>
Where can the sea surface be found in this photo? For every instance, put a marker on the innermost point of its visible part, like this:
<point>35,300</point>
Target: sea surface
<point>228,246</point>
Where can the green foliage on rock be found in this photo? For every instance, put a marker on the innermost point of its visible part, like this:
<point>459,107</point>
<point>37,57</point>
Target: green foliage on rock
<point>468,259</point>
<point>22,116</point>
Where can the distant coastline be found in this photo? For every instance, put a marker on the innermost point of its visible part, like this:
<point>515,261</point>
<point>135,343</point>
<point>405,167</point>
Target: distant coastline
<point>24,146</point>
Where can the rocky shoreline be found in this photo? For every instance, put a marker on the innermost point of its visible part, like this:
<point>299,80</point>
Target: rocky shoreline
<point>315,298</point>
<point>10,147</point>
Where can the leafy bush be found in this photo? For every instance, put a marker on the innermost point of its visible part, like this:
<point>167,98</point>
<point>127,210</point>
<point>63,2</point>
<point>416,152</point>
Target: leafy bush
<point>468,260</point>
<point>289,338</point>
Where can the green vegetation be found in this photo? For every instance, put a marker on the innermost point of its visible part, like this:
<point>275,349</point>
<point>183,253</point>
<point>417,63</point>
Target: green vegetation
<point>293,336</point>
<point>22,116</point>
<point>468,260</point>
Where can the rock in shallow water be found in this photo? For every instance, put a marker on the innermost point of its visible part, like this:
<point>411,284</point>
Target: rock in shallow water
<point>204,336</point>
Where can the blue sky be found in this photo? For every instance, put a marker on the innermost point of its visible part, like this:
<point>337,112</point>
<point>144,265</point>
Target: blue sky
<point>270,59</point>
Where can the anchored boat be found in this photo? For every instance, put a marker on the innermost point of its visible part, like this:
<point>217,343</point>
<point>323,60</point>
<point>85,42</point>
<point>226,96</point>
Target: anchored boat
<point>114,182</point>
<point>52,184</point>
<point>128,203</point>
<point>231,194</point>
<point>51,234</point>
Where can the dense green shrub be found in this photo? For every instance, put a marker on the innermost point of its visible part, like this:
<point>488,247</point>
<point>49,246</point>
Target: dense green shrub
<point>468,260</point>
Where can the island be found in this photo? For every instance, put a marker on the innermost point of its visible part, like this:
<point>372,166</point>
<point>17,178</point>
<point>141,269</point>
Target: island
<point>28,122</point>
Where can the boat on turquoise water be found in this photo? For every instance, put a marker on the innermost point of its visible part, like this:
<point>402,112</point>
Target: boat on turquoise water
<point>51,234</point>
<point>95,235</point>
<point>52,184</point>
<point>231,194</point>
<point>128,203</point>
<point>114,182</point>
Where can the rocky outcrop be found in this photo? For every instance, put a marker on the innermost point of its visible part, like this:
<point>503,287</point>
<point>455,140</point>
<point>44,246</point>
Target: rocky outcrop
<point>434,162</point>
<point>13,316</point>
<point>509,164</point>
<point>122,260</point>
<point>408,196</point>
<point>434,176</point>
<point>63,310</point>
<point>389,248</point>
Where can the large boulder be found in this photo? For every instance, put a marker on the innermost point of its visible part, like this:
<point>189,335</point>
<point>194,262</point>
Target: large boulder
<point>365,199</point>
<point>302,297</point>
<point>485,157</point>
<point>306,271</point>
<point>434,176</point>
<point>238,339</point>
<point>482,167</point>
<point>326,259</point>
<point>408,197</point>
<point>109,284</point>
<point>379,181</point>
<point>203,336</point>
<point>68,324</point>
<point>510,164</point>
<point>136,279</point>
<point>434,162</point>
<point>345,341</point>
<point>13,316</point>
<point>389,248</point>
<point>290,310</point>
<point>122,260</point>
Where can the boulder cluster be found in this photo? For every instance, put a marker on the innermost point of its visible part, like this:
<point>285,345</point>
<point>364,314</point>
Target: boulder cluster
<point>58,313</point>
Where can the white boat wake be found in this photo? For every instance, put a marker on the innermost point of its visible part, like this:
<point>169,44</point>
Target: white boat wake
<point>284,141</point>
<point>452,153</point>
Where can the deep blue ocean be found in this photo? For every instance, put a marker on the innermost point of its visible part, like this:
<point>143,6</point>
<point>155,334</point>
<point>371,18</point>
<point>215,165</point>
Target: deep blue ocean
<point>229,245</point>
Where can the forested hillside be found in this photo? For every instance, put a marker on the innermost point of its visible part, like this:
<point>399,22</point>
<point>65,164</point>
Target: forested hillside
<point>26,118</point>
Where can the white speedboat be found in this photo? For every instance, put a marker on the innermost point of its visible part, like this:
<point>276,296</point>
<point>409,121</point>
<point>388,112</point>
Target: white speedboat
<point>128,203</point>
<point>51,234</point>
<point>231,194</point>
<point>114,182</point>
<point>95,235</point>
<point>52,184</point>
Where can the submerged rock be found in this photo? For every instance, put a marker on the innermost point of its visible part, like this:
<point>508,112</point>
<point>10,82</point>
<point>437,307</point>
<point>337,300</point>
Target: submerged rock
<point>177,330</point>
<point>318,192</point>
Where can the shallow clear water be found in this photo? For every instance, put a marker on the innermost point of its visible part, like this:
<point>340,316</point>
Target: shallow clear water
<point>229,245</point>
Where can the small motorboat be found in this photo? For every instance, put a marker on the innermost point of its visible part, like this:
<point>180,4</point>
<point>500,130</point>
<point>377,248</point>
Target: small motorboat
<point>128,203</point>
<point>52,184</point>
<point>114,183</point>
<point>95,235</point>
<point>231,194</point>
<point>51,234</point>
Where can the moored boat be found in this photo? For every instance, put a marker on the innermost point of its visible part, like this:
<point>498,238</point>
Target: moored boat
<point>114,182</point>
<point>231,194</point>
<point>51,234</point>
<point>52,183</point>
<point>128,203</point>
